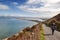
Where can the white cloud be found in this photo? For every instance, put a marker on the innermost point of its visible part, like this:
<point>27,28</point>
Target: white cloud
<point>3,7</point>
<point>33,1</point>
<point>16,15</point>
<point>51,1</point>
<point>49,7</point>
<point>15,3</point>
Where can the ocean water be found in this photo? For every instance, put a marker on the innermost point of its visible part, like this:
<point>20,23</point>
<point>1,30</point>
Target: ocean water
<point>9,27</point>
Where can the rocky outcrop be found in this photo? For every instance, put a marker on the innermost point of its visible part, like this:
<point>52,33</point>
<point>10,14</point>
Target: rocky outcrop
<point>27,33</point>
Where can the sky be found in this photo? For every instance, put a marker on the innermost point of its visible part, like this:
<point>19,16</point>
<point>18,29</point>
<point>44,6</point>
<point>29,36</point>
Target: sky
<point>29,8</point>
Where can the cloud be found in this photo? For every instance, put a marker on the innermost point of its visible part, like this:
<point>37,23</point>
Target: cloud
<point>51,1</point>
<point>15,3</point>
<point>16,15</point>
<point>42,6</point>
<point>33,1</point>
<point>3,7</point>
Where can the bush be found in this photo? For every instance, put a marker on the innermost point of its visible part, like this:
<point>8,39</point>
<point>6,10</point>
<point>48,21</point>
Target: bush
<point>57,24</point>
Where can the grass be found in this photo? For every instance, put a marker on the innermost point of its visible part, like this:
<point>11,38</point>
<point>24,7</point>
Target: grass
<point>42,34</point>
<point>57,25</point>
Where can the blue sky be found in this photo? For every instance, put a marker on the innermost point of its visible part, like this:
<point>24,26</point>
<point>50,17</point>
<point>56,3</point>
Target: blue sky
<point>29,8</point>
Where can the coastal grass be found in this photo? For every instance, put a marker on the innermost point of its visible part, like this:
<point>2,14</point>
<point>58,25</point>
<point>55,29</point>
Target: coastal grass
<point>42,34</point>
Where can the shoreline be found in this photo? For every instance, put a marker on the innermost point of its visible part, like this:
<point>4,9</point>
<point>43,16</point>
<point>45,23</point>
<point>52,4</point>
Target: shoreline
<point>17,34</point>
<point>35,21</point>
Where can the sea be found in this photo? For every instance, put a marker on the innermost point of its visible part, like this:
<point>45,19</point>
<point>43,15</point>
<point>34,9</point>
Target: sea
<point>11,26</point>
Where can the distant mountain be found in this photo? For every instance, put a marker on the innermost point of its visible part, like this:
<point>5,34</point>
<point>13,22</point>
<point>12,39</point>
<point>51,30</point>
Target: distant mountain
<point>35,19</point>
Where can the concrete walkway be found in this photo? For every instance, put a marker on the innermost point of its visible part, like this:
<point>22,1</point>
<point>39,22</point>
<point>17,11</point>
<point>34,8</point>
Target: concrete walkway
<point>48,34</point>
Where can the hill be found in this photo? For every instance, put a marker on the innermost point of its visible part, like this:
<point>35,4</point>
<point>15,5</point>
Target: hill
<point>55,19</point>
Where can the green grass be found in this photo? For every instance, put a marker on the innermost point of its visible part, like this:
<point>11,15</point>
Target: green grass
<point>42,34</point>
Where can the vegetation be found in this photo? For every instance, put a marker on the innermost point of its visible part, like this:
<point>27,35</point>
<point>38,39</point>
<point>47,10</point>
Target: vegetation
<point>57,25</point>
<point>42,34</point>
<point>55,19</point>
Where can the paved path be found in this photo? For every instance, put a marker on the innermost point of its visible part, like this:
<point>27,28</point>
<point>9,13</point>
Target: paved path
<point>47,33</point>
